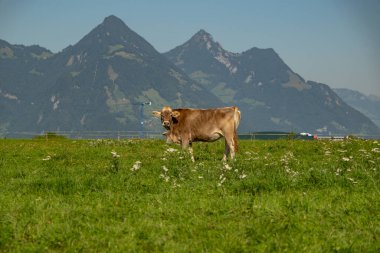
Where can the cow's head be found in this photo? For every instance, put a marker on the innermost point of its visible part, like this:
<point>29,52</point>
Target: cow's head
<point>167,115</point>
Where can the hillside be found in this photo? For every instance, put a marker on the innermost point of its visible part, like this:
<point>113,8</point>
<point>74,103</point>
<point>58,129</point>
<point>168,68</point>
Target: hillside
<point>368,105</point>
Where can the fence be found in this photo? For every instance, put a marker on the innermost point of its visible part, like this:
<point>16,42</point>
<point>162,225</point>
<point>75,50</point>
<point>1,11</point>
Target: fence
<point>272,136</point>
<point>158,135</point>
<point>84,135</point>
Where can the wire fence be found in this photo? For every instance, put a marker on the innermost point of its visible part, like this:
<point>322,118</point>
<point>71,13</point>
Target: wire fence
<point>85,135</point>
<point>297,136</point>
<point>158,135</point>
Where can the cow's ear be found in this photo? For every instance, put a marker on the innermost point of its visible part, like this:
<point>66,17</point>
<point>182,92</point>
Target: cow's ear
<point>156,114</point>
<point>176,114</point>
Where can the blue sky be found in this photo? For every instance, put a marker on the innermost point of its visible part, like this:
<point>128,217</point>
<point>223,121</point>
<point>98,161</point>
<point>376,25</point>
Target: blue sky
<point>336,42</point>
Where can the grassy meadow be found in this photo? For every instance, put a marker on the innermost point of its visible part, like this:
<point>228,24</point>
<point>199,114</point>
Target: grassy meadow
<point>146,196</point>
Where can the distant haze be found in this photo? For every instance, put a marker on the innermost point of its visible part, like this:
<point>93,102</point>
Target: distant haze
<point>336,42</point>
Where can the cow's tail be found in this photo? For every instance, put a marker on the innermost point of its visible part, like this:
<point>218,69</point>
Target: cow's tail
<point>237,116</point>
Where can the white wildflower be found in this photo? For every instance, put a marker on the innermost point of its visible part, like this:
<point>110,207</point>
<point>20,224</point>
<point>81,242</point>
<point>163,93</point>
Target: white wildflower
<point>47,158</point>
<point>171,150</point>
<point>175,185</point>
<point>242,176</point>
<point>200,177</point>
<point>165,177</point>
<point>114,154</point>
<point>352,180</point>
<point>136,166</point>
<point>346,159</point>
<point>376,150</point>
<point>222,178</point>
<point>226,166</point>
<point>289,154</point>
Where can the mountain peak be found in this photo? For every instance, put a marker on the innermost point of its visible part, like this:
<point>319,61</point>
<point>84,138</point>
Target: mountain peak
<point>110,30</point>
<point>202,34</point>
<point>112,20</point>
<point>113,24</point>
<point>205,41</point>
<point>110,33</point>
<point>203,37</point>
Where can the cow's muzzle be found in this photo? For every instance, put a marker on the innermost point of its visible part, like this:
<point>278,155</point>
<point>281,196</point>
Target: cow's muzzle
<point>166,124</point>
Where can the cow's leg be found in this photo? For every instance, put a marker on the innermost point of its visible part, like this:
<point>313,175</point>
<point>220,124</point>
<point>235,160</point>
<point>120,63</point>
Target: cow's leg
<point>191,152</point>
<point>232,149</point>
<point>230,146</point>
<point>226,150</point>
<point>187,145</point>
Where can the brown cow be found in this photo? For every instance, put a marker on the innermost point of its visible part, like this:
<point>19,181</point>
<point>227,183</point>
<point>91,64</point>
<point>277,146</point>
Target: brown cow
<point>189,125</point>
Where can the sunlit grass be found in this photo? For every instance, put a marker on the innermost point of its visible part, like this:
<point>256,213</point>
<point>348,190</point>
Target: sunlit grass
<point>145,195</point>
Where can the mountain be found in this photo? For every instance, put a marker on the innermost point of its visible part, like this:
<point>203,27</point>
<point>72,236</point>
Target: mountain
<point>368,105</point>
<point>270,95</point>
<point>97,84</point>
<point>20,83</point>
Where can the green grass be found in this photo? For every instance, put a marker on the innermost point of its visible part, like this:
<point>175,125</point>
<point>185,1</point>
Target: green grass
<point>277,196</point>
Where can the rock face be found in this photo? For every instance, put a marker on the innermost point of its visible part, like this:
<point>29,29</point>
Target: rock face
<point>271,96</point>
